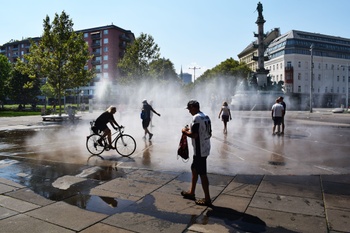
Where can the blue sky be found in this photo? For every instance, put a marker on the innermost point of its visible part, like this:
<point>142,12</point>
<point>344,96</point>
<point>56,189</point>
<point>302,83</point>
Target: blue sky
<point>191,33</point>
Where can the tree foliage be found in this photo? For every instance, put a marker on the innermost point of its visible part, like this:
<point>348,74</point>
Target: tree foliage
<point>5,70</point>
<point>22,89</point>
<point>60,56</point>
<point>163,70</point>
<point>135,65</point>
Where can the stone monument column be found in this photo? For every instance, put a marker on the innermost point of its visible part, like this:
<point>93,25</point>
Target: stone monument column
<point>261,72</point>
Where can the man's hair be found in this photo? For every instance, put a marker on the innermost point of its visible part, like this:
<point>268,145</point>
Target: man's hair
<point>193,103</point>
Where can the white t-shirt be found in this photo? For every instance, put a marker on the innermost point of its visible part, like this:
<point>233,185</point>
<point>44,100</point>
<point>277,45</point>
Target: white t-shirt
<point>201,124</point>
<point>225,110</point>
<point>277,110</point>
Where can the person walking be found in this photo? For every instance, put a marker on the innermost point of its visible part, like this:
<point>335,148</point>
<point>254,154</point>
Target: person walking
<point>276,114</point>
<point>200,133</point>
<point>281,101</point>
<point>226,115</point>
<point>102,121</point>
<point>146,119</point>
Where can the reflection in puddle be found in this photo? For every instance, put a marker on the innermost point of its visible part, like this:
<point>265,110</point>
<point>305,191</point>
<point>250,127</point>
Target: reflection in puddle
<point>99,204</point>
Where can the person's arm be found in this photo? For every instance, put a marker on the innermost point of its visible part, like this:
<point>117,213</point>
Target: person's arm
<point>193,133</point>
<point>220,112</point>
<point>229,113</point>
<point>155,111</point>
<point>114,122</point>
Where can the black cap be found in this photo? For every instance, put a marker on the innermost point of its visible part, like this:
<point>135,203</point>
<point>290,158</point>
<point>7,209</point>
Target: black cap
<point>193,103</point>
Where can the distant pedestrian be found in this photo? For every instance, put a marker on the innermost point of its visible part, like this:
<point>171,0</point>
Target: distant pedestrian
<point>281,101</point>
<point>146,111</point>
<point>226,115</point>
<point>200,133</point>
<point>276,114</point>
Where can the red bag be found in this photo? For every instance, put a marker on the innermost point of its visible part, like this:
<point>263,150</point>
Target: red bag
<point>182,151</point>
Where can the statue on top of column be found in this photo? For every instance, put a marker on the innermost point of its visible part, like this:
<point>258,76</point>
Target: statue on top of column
<point>259,8</point>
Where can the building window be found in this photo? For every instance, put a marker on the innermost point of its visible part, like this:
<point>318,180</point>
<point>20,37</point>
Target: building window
<point>105,32</point>
<point>338,78</point>
<point>299,89</point>
<point>281,65</point>
<point>105,57</point>
<point>319,65</point>
<point>326,90</point>
<point>289,64</point>
<point>105,75</point>
<point>299,76</point>
<point>337,89</point>
<point>319,77</point>
<point>326,66</point>
<point>105,40</point>
<point>86,35</point>
<point>105,66</point>
<point>105,49</point>
<point>343,89</point>
<point>299,64</point>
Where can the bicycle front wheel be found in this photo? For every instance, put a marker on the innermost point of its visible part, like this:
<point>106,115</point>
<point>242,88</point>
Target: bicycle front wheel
<point>125,145</point>
<point>95,144</point>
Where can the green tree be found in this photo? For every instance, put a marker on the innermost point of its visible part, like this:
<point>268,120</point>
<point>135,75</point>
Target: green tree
<point>163,70</point>
<point>228,74</point>
<point>22,89</point>
<point>60,56</point>
<point>5,70</point>
<point>135,65</point>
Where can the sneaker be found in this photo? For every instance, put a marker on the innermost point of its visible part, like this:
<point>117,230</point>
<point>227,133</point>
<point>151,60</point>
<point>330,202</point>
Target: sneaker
<point>111,147</point>
<point>150,136</point>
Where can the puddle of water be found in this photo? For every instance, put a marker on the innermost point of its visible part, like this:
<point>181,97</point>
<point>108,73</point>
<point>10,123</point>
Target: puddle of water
<point>99,204</point>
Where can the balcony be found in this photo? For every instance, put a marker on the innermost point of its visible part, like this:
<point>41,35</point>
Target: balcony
<point>124,37</point>
<point>95,45</point>
<point>122,45</point>
<point>95,36</point>
<point>95,62</point>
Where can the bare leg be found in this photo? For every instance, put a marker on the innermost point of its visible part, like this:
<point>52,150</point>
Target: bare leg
<point>194,181</point>
<point>205,186</point>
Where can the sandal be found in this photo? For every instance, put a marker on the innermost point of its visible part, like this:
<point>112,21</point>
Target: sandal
<point>187,195</point>
<point>203,202</point>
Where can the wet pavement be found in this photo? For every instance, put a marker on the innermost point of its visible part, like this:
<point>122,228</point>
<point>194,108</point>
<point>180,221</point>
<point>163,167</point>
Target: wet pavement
<point>298,182</point>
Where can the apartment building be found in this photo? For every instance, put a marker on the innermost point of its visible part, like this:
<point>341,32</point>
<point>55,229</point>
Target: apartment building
<point>290,61</point>
<point>106,43</point>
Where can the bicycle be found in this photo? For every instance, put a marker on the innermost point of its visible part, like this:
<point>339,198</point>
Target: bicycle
<point>124,144</point>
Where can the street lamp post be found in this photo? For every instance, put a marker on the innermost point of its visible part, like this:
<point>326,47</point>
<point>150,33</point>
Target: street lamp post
<point>347,87</point>
<point>312,75</point>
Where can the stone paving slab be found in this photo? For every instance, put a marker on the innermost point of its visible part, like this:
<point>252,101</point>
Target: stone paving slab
<point>23,223</point>
<point>278,221</point>
<point>68,216</point>
<point>16,204</point>
<point>29,196</point>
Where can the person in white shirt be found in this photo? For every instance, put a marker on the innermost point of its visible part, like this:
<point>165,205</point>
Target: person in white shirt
<point>226,115</point>
<point>200,132</point>
<point>277,113</point>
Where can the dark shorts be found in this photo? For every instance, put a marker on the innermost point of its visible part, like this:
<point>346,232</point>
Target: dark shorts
<point>277,120</point>
<point>199,164</point>
<point>225,118</point>
<point>145,123</point>
<point>101,127</point>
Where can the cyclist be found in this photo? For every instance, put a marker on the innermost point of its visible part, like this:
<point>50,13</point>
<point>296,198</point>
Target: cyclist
<point>101,124</point>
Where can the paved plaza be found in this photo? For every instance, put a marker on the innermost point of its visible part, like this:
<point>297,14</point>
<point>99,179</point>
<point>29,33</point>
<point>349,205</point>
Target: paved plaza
<point>258,182</point>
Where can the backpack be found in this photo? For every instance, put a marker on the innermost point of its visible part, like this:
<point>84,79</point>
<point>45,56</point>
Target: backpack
<point>143,114</point>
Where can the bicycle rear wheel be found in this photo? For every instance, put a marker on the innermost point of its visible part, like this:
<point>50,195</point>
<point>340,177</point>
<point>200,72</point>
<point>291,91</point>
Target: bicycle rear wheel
<point>93,145</point>
<point>125,145</point>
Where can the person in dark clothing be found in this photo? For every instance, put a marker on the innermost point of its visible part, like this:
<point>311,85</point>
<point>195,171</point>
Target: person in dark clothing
<point>102,121</point>
<point>280,99</point>
<point>146,109</point>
